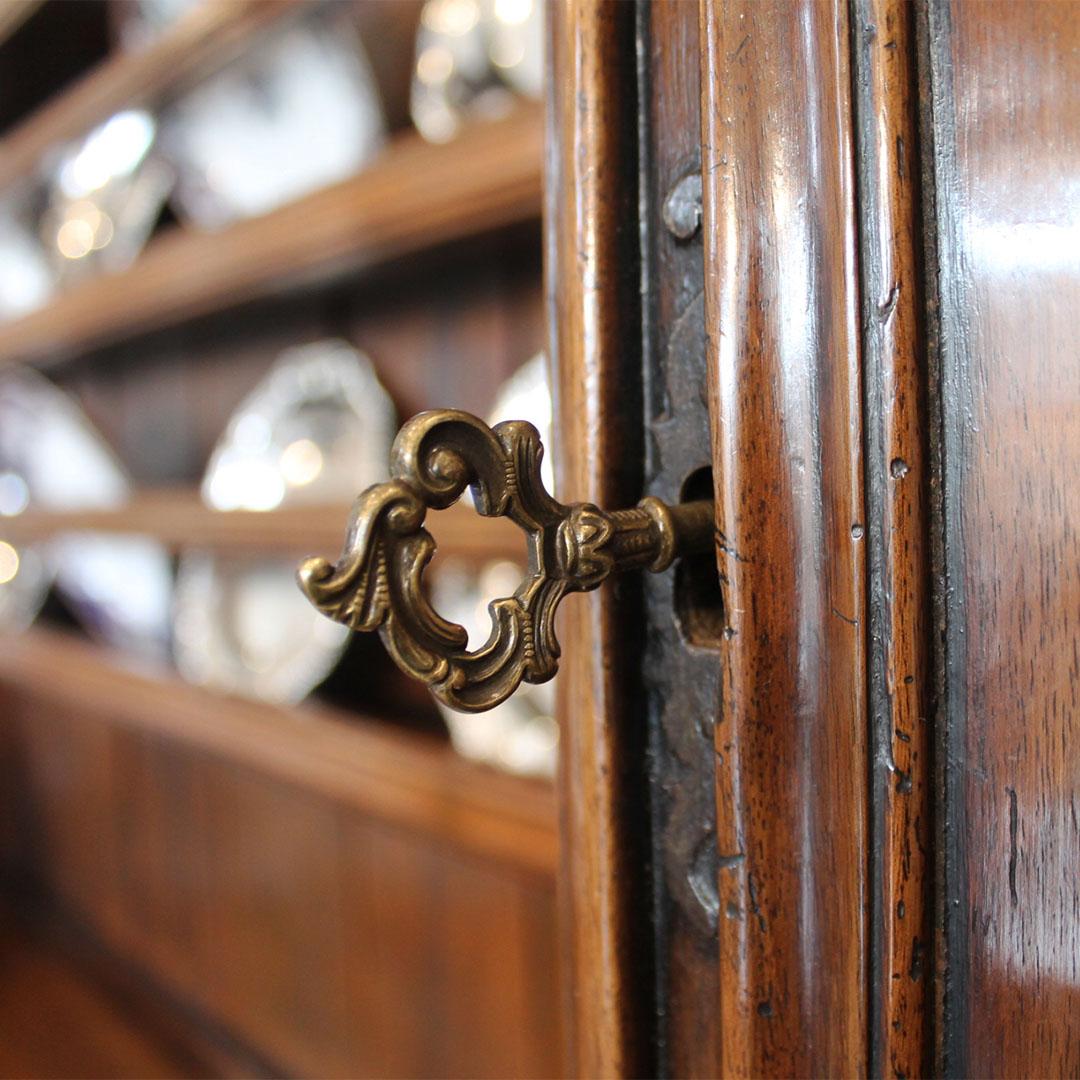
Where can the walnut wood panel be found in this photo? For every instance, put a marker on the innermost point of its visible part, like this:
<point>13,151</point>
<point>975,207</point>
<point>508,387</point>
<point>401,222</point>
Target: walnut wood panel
<point>179,519</point>
<point>73,37</point>
<point>103,1034</point>
<point>450,329</point>
<point>1003,109</point>
<point>896,538</point>
<point>70,768</point>
<point>414,197</point>
<point>592,285</point>
<point>427,910</point>
<point>159,864</point>
<point>323,932</point>
<point>392,775</point>
<point>791,745</point>
<point>200,43</point>
<point>273,907</point>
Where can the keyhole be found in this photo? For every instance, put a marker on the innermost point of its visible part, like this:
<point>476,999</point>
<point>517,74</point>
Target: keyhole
<point>699,603</point>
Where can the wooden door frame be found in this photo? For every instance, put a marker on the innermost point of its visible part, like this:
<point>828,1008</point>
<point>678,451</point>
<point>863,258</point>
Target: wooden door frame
<point>810,943</point>
<point>592,282</point>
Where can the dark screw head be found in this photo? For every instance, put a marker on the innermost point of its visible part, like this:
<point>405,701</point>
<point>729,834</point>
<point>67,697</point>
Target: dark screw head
<point>682,207</point>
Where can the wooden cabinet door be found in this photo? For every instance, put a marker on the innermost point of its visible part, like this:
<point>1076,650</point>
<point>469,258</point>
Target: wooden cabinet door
<point>1002,107</point>
<point>819,259</point>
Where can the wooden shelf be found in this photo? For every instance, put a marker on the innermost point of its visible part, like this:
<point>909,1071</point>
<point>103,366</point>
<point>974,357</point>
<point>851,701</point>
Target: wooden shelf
<point>200,43</point>
<point>405,779</point>
<point>179,520</point>
<point>13,15</point>
<point>415,196</point>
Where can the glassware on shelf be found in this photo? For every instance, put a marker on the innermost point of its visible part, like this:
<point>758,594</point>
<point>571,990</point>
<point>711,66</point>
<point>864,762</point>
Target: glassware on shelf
<point>52,459</point>
<point>27,278</point>
<point>520,735</point>
<point>299,111</point>
<point>106,194</point>
<point>141,22</point>
<point>24,572</point>
<point>318,429</point>
<point>473,58</point>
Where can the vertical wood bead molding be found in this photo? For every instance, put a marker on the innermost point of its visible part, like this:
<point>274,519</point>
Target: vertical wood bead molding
<point>593,290</point>
<point>781,296</point>
<point>896,536</point>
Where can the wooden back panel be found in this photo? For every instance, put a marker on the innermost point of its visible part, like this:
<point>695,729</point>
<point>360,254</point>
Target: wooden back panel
<point>315,918</point>
<point>1003,105</point>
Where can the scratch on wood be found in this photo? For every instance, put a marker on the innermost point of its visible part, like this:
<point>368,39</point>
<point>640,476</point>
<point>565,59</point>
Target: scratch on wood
<point>885,311</point>
<point>1013,830</point>
<point>754,906</point>
<point>841,615</point>
<point>728,549</point>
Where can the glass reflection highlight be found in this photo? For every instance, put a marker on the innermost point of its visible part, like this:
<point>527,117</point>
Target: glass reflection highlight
<point>472,58</point>
<point>9,562</point>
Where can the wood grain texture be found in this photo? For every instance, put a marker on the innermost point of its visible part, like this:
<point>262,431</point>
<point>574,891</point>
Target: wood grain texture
<point>276,912</point>
<point>202,42</point>
<point>180,520</point>
<point>103,1034</point>
<point>896,538</point>
<point>323,927</point>
<point>782,319</point>
<point>159,868</point>
<point>593,281</point>
<point>406,779</point>
<point>1004,111</point>
<point>414,197</point>
<point>414,912</point>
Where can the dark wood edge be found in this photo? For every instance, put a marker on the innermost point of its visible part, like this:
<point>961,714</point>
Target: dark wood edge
<point>947,397</point>
<point>172,1019</point>
<point>13,14</point>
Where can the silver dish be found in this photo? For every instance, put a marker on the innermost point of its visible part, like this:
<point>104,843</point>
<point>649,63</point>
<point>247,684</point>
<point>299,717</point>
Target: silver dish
<point>27,278</point>
<point>51,459</point>
<point>142,22</point>
<point>106,195</point>
<point>317,430</point>
<point>298,112</point>
<point>473,57</point>
<point>519,735</point>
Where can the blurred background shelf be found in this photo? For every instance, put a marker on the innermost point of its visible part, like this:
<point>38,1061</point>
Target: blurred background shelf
<point>416,196</point>
<point>180,520</point>
<point>14,14</point>
<point>331,887</point>
<point>393,775</point>
<point>342,897</point>
<point>201,42</point>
